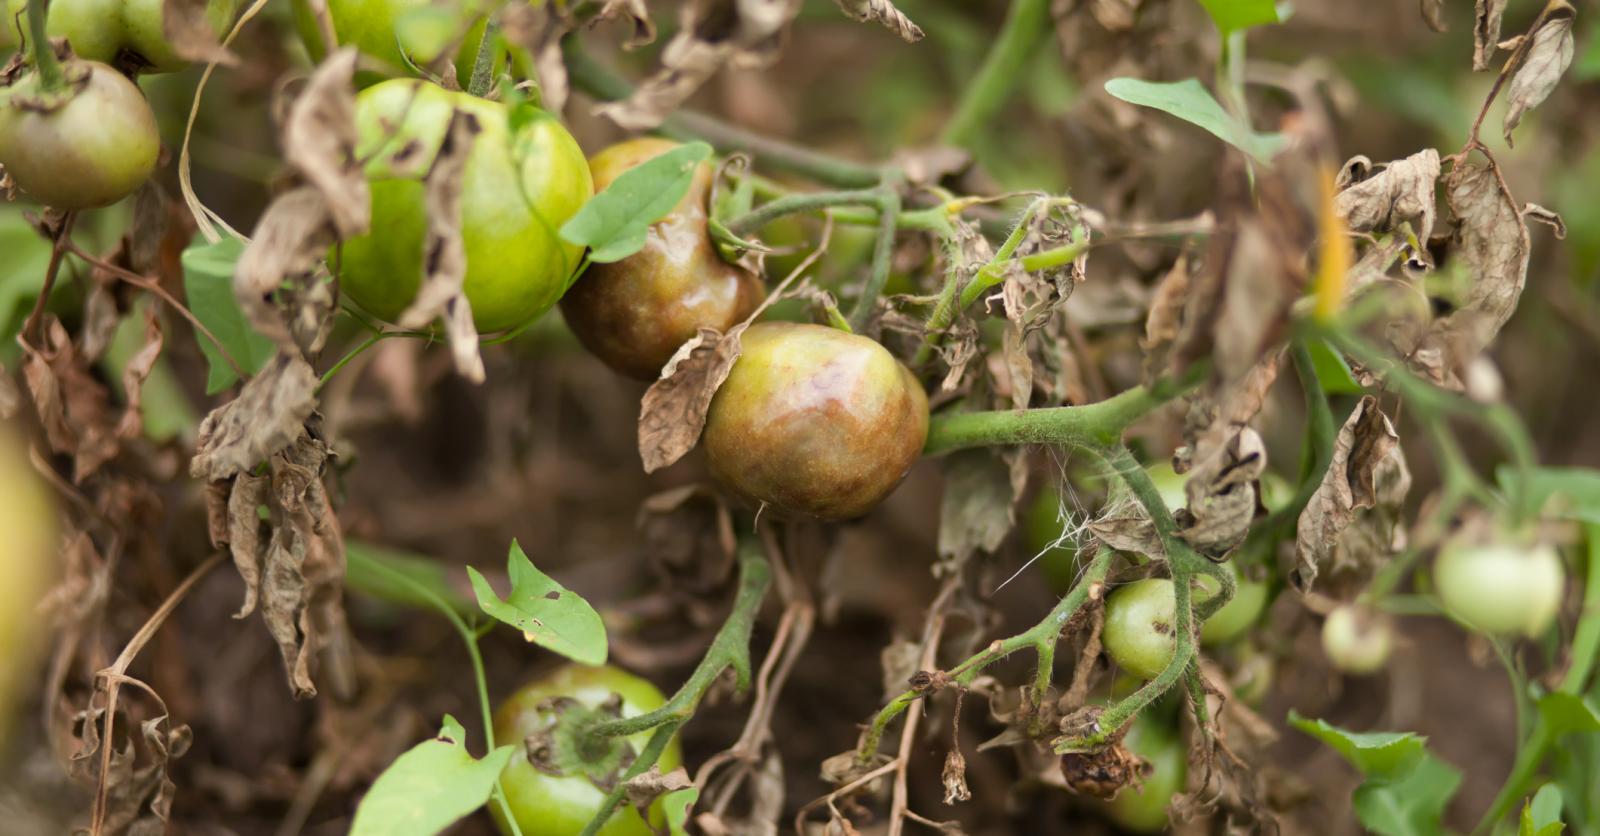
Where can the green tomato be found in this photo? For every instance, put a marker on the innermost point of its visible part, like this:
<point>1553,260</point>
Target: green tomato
<point>92,144</point>
<point>126,32</point>
<point>560,805</point>
<point>1169,484</point>
<point>815,421</point>
<point>1356,640</point>
<point>1236,616</point>
<point>374,27</point>
<point>1140,633</point>
<point>27,566</point>
<point>525,177</point>
<point>1144,810</point>
<point>1502,586</point>
<point>634,314</point>
<point>1252,673</point>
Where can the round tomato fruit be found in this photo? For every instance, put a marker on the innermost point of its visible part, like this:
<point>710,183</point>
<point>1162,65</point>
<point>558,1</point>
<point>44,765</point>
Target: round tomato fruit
<point>128,33</point>
<point>1238,615</point>
<point>1356,640</point>
<point>815,422</point>
<point>1139,633</point>
<point>1502,586</point>
<point>524,178</point>
<point>376,28</point>
<point>88,145</point>
<point>27,565</point>
<point>546,804</point>
<point>634,313</point>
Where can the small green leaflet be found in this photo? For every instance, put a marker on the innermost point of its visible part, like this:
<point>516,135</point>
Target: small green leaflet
<point>1233,15</point>
<point>208,284</point>
<point>1541,816</point>
<point>1411,806</point>
<point>614,223</point>
<point>547,613</point>
<point>676,807</point>
<point>1332,370</point>
<point>1375,754</point>
<point>1192,102</point>
<point>1565,713</point>
<point>434,784</point>
<point>1577,490</point>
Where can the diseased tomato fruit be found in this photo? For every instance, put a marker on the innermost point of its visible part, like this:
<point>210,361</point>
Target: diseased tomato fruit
<point>634,313</point>
<point>27,563</point>
<point>1144,810</point>
<point>86,146</point>
<point>371,26</point>
<point>560,805</point>
<point>1140,633</point>
<point>129,33</point>
<point>815,422</point>
<point>520,185</point>
<point>1236,616</point>
<point>1357,641</point>
<point>1502,586</point>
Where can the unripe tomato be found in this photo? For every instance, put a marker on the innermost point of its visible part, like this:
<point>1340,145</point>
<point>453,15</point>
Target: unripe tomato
<point>1357,641</point>
<point>1144,810</point>
<point>815,421</point>
<point>126,30</point>
<point>1501,586</point>
<point>1238,615</point>
<point>634,313</point>
<point>560,805</point>
<point>88,146</point>
<point>27,562</point>
<point>518,189</point>
<point>370,26</point>
<point>1140,632</point>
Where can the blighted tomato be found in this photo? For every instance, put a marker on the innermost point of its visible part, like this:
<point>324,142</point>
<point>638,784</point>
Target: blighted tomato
<point>129,33</point>
<point>88,145</point>
<point>634,313</point>
<point>27,564</point>
<point>815,422</point>
<point>547,804</point>
<point>1140,633</point>
<point>524,178</point>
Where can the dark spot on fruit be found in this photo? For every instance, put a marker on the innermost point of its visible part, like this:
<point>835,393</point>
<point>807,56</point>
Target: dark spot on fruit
<point>1162,627</point>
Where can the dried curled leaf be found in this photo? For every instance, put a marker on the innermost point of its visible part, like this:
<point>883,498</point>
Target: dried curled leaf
<point>1543,60</point>
<point>954,778</point>
<point>1486,31</point>
<point>136,372</point>
<point>538,29</point>
<point>138,795</point>
<point>1366,448</point>
<point>265,419</point>
<point>73,407</point>
<point>319,143</point>
<point>186,29</point>
<point>882,11</point>
<point>1403,192</point>
<point>642,790</point>
<point>978,508</point>
<point>673,411</point>
<point>1221,492</point>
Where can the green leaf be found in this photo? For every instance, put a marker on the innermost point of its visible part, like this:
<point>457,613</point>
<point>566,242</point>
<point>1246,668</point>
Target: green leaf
<point>1541,816</point>
<point>1565,713</point>
<point>208,284</point>
<point>614,223</point>
<point>1411,806</point>
<point>1233,15</point>
<point>401,578</point>
<point>675,805</point>
<point>1190,101</point>
<point>1577,490</point>
<point>431,786</point>
<point>1386,755</point>
<point>547,613</point>
<point>1332,370</point>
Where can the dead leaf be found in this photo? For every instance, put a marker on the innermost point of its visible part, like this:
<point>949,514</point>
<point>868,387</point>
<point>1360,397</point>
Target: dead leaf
<point>1543,61</point>
<point>1351,484</point>
<point>538,29</point>
<point>1486,31</point>
<point>954,778</point>
<point>1221,493</point>
<point>673,411</point>
<point>1433,15</point>
<point>1402,192</point>
<point>319,143</point>
<point>642,790</point>
<point>634,12</point>
<point>1161,324</point>
<point>266,418</point>
<point>287,246</point>
<point>136,372</point>
<point>884,12</point>
<point>73,407</point>
<point>978,508</point>
<point>186,29</point>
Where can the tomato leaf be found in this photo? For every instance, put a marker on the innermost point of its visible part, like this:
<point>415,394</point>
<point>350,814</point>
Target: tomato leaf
<point>1376,754</point>
<point>1192,102</point>
<point>1564,713</point>
<point>1332,371</point>
<point>208,284</point>
<point>1541,815</point>
<point>547,613</point>
<point>614,223</point>
<point>1577,490</point>
<point>1233,15</point>
<point>676,806</point>
<point>1411,806</point>
<point>431,786</point>
<point>401,578</point>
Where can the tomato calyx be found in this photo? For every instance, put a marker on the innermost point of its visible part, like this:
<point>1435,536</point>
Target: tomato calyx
<point>566,747</point>
<point>19,82</point>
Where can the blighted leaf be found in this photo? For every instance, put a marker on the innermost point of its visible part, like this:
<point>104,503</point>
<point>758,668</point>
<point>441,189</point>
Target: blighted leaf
<point>431,786</point>
<point>136,372</point>
<point>286,248</point>
<point>978,508</point>
<point>673,411</point>
<point>1541,814</point>
<point>444,253</point>
<point>1374,754</point>
<point>547,613</point>
<point>186,28</point>
<point>1486,31</point>
<point>1433,15</point>
<point>1233,15</point>
<point>1162,322</point>
<point>138,789</point>
<point>1545,57</point>
<point>73,407</point>
<point>1192,102</point>
<point>615,223</point>
<point>1221,493</point>
<point>537,29</point>
<point>643,789</point>
<point>208,288</point>
<point>1365,445</point>
<point>882,11</point>
<point>319,142</point>
<point>1411,805</point>
<point>1402,192</point>
<point>635,13</point>
<point>267,417</point>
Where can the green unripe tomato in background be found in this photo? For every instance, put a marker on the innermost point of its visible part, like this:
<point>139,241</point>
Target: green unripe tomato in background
<point>560,805</point>
<point>1502,587</point>
<point>1144,810</point>
<point>112,30</point>
<point>1356,640</point>
<point>27,568</point>
<point>376,28</point>
<point>91,149</point>
<point>524,179</point>
<point>1238,615</point>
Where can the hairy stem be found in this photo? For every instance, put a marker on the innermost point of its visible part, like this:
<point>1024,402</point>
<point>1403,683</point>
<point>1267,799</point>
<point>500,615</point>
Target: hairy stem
<point>882,256</point>
<point>1026,25</point>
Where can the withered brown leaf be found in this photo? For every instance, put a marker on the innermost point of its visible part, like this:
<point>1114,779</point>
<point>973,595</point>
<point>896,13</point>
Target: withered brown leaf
<point>978,508</point>
<point>673,411</point>
<point>73,407</point>
<point>266,418</point>
<point>1433,15</point>
<point>1403,192</point>
<point>1221,493</point>
<point>319,142</point>
<point>1544,60</point>
<point>136,372</point>
<point>539,28</point>
<point>186,29</point>
<point>1486,31</point>
<point>1365,442</point>
<point>882,11</point>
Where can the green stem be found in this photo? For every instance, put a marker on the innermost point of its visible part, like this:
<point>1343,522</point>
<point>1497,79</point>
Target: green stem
<point>1026,24</point>
<point>370,341</point>
<point>882,257</point>
<point>51,77</point>
<point>483,65</point>
<point>801,202</point>
<point>650,755</point>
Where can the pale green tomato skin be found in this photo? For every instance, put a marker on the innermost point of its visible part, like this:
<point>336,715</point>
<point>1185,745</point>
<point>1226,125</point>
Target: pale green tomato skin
<point>550,805</point>
<point>369,26</point>
<point>1169,484</point>
<point>103,30</point>
<point>92,151</point>
<point>1356,642</point>
<point>1140,633</point>
<point>1144,810</point>
<point>1501,587</point>
<point>1238,615</point>
<point>517,191</point>
<point>27,562</point>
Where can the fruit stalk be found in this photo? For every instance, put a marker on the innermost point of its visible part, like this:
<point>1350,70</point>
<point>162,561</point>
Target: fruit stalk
<point>51,78</point>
